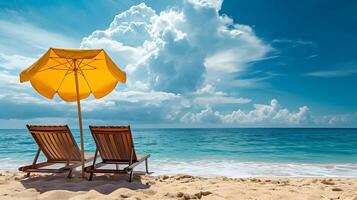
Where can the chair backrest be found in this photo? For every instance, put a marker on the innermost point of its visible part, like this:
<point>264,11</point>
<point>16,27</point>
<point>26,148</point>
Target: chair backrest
<point>114,143</point>
<point>56,142</point>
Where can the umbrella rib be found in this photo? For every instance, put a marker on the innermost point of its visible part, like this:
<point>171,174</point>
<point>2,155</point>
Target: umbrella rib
<point>52,67</point>
<point>70,64</point>
<point>90,67</point>
<point>82,73</point>
<point>87,69</point>
<point>60,62</point>
<point>88,64</point>
<point>68,72</point>
<point>79,64</point>
<point>72,58</point>
<point>60,69</point>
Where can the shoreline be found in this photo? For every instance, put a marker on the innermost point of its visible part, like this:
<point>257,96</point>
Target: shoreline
<point>232,168</point>
<point>14,185</point>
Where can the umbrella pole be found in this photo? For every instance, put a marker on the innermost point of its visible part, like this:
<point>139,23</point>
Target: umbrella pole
<point>79,117</point>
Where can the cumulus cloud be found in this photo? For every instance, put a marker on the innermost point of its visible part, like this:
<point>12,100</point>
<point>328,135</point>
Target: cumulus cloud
<point>270,113</point>
<point>267,114</point>
<point>172,61</point>
<point>171,51</point>
<point>205,116</point>
<point>216,4</point>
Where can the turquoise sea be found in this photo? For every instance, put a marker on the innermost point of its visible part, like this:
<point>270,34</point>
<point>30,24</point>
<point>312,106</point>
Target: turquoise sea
<point>236,152</point>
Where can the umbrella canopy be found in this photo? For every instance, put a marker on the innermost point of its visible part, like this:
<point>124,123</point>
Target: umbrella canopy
<point>74,74</point>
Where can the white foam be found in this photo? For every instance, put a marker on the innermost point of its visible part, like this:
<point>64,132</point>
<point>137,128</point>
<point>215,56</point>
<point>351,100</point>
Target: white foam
<point>229,168</point>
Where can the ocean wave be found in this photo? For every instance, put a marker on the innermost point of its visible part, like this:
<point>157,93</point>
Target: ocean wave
<point>253,169</point>
<point>230,168</point>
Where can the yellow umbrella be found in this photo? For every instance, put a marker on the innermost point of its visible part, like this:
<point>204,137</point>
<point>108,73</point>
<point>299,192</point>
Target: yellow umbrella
<point>74,74</point>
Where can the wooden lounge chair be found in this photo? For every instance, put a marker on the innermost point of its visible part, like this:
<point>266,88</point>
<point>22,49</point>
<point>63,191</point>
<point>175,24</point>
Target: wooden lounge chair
<point>115,146</point>
<point>58,146</point>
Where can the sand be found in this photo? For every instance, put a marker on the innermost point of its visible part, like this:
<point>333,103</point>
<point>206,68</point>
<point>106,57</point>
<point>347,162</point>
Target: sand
<point>14,185</point>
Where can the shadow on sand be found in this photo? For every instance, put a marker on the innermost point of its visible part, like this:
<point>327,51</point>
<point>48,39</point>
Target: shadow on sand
<point>104,184</point>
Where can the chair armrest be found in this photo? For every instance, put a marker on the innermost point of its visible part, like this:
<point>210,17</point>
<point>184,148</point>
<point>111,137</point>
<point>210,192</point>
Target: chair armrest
<point>140,160</point>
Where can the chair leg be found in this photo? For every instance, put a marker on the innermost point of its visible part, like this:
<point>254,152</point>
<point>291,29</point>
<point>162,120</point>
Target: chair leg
<point>131,176</point>
<point>93,165</point>
<point>69,173</point>
<point>147,166</point>
<point>91,176</point>
<point>34,160</point>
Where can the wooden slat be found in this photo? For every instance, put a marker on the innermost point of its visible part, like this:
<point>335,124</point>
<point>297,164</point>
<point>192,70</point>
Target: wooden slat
<point>104,147</point>
<point>115,146</point>
<point>114,143</point>
<point>41,145</point>
<point>45,143</point>
<point>56,142</point>
<point>110,147</point>
<point>74,145</point>
<point>61,146</point>
<point>123,152</point>
<point>132,144</point>
<point>35,166</point>
<point>61,170</point>
<point>127,146</point>
<point>143,158</point>
<point>121,147</point>
<point>99,147</point>
<point>76,155</point>
<point>67,151</point>
<point>51,145</point>
<point>107,147</point>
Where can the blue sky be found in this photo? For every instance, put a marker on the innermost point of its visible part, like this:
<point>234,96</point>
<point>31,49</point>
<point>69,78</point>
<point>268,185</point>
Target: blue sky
<point>191,63</point>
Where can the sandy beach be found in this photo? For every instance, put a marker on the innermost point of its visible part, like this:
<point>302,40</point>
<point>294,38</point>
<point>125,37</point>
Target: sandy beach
<point>14,185</point>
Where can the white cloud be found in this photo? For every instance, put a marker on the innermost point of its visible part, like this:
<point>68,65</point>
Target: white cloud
<point>216,4</point>
<point>11,62</point>
<point>333,73</point>
<point>294,42</point>
<point>167,55</point>
<point>131,99</point>
<point>267,114</point>
<point>206,115</point>
<point>271,114</point>
<point>171,51</point>
<point>221,100</point>
<point>207,95</point>
<point>29,37</point>
<point>147,98</point>
<point>337,120</point>
<point>208,89</point>
<point>12,90</point>
<point>241,47</point>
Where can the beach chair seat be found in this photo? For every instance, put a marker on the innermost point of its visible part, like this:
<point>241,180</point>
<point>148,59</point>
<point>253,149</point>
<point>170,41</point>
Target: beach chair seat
<point>115,146</point>
<point>58,146</point>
